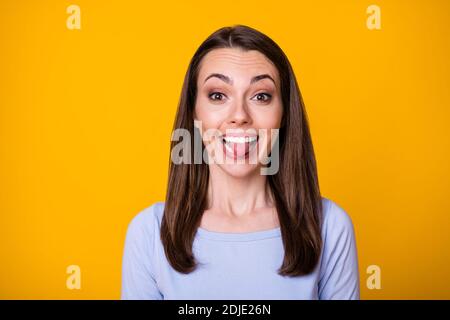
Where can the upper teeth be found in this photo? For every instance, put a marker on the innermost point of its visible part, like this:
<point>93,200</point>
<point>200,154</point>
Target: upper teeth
<point>239,139</point>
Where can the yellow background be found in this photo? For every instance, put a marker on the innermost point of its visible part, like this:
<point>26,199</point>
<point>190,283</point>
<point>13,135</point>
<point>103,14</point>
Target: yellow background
<point>86,118</point>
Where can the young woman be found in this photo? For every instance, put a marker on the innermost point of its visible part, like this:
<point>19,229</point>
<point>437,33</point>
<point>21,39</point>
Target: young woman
<point>231,228</point>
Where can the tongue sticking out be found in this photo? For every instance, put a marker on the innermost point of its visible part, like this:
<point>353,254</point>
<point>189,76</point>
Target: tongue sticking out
<point>237,150</point>
<point>240,149</point>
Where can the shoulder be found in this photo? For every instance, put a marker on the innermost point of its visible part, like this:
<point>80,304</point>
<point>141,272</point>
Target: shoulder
<point>147,221</point>
<point>339,274</point>
<point>335,219</point>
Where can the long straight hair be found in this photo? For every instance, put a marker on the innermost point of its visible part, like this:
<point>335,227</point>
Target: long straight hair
<point>295,187</point>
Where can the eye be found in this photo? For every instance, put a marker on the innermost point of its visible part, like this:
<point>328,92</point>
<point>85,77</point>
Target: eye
<point>216,96</point>
<point>263,97</point>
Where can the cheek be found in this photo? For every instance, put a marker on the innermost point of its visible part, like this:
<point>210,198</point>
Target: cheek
<point>202,113</point>
<point>209,119</point>
<point>268,119</point>
<point>277,115</point>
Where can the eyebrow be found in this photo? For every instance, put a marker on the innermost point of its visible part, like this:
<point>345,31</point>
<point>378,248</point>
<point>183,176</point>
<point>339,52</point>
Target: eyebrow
<point>228,80</point>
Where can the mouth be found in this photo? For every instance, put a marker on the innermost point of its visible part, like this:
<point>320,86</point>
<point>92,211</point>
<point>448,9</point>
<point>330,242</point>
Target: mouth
<point>239,147</point>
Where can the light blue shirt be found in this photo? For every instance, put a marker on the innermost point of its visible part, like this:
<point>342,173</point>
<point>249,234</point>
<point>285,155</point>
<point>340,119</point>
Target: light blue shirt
<point>238,265</point>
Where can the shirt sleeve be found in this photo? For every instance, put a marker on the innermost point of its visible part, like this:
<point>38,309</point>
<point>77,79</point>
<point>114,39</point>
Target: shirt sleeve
<point>339,274</point>
<point>138,279</point>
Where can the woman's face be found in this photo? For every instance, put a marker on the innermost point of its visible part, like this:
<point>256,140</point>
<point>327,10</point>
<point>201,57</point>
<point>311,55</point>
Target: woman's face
<point>239,102</point>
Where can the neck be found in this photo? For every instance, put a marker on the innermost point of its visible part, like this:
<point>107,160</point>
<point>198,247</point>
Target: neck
<point>237,196</point>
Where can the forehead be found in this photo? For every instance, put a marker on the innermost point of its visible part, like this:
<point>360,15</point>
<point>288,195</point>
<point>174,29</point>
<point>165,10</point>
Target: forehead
<point>235,62</point>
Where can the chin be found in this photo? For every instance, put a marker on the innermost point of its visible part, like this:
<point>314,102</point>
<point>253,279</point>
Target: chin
<point>240,170</point>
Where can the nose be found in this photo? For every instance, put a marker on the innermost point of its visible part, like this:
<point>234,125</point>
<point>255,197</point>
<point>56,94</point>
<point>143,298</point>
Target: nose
<point>239,114</point>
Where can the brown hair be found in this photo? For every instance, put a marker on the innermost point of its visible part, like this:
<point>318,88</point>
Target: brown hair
<point>295,187</point>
